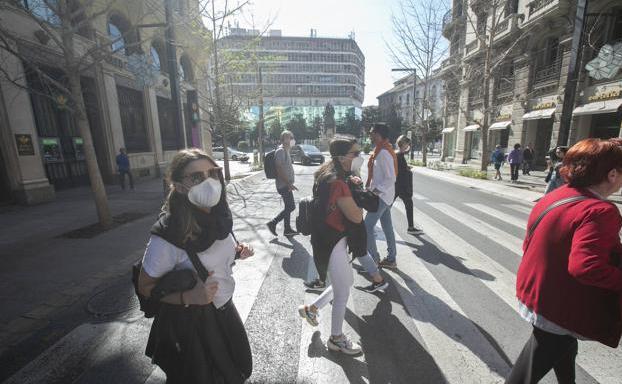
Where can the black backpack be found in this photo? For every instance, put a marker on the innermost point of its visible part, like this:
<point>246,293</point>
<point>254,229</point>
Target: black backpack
<point>269,165</point>
<point>311,215</point>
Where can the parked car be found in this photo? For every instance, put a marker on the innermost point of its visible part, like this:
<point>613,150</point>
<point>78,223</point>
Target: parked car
<point>306,154</point>
<point>234,155</point>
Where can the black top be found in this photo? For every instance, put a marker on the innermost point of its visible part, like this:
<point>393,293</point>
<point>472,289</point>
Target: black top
<point>404,180</point>
<point>527,154</point>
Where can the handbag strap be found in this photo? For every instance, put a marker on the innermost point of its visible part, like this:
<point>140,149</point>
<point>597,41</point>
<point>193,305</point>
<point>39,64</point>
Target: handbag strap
<point>198,265</point>
<point>554,205</point>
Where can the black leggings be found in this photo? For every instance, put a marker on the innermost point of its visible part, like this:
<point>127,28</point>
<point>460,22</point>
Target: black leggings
<point>514,171</point>
<point>542,352</point>
<point>408,202</point>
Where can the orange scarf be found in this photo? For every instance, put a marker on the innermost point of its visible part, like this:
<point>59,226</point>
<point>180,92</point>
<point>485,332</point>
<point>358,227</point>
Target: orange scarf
<point>370,164</point>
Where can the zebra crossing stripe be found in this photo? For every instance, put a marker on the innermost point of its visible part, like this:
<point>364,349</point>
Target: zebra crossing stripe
<point>509,219</point>
<point>599,361</point>
<point>512,243</point>
<point>461,351</point>
<point>519,208</point>
<point>417,196</point>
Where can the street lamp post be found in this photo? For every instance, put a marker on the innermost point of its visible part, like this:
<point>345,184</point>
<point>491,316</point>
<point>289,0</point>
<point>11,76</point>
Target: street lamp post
<point>260,126</point>
<point>414,72</point>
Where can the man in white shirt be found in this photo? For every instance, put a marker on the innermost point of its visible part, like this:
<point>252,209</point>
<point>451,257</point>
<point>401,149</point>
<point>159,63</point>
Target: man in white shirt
<point>381,180</point>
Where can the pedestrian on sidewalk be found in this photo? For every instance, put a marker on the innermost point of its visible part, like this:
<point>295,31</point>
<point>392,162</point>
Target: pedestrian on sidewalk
<point>123,167</point>
<point>382,174</point>
<point>338,225</point>
<point>404,182</point>
<point>569,281</point>
<point>515,158</point>
<point>553,178</point>
<point>528,157</point>
<point>197,335</point>
<point>497,159</point>
<point>285,178</point>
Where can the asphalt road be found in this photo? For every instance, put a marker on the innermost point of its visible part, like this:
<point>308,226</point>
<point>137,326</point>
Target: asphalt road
<point>449,314</point>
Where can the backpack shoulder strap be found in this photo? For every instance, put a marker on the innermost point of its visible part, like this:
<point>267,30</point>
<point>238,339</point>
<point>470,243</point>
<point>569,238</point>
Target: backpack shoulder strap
<point>548,209</point>
<point>198,265</point>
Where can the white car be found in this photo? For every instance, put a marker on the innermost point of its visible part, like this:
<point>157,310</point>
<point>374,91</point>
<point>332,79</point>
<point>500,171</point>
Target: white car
<point>234,155</point>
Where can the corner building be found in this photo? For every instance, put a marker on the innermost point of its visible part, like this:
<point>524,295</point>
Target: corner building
<point>40,146</point>
<point>300,75</point>
<point>528,86</point>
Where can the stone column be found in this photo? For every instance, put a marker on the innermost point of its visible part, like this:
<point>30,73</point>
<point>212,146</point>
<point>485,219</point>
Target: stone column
<point>116,129</point>
<point>563,76</point>
<point>521,91</point>
<point>153,129</point>
<point>462,122</point>
<point>27,179</point>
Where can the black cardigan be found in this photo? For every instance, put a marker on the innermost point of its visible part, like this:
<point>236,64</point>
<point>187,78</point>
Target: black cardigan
<point>404,180</point>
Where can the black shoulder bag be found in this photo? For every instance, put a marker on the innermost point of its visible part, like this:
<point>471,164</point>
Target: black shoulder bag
<point>174,281</point>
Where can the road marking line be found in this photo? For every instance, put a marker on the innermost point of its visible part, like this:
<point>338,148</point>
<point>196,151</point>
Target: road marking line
<point>462,353</point>
<point>510,242</point>
<point>519,208</point>
<point>509,219</point>
<point>419,197</point>
<point>599,361</point>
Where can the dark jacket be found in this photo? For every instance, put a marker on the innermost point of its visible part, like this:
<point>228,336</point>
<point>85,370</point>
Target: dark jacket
<point>569,273</point>
<point>324,238</point>
<point>404,181</point>
<point>123,162</point>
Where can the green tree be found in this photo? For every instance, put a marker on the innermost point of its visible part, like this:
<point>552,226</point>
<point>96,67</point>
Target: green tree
<point>394,121</point>
<point>329,119</point>
<point>275,129</point>
<point>350,125</point>
<point>316,128</point>
<point>298,126</point>
<point>371,115</point>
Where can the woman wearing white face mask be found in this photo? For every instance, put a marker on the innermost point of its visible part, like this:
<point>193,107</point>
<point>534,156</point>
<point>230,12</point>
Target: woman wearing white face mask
<point>196,224</point>
<point>404,182</point>
<point>338,226</point>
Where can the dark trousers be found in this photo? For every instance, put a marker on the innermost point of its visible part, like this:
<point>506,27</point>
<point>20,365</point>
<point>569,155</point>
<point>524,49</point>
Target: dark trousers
<point>542,352</point>
<point>514,171</point>
<point>122,178</point>
<point>408,203</point>
<point>290,206</point>
<point>527,167</point>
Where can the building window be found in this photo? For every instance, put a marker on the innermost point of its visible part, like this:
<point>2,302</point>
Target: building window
<point>185,69</point>
<point>166,117</point>
<point>158,56</point>
<point>123,39</point>
<point>43,10</point>
<point>482,20</point>
<point>132,119</point>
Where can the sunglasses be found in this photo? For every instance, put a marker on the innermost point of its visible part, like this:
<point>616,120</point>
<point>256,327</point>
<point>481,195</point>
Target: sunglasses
<point>355,153</point>
<point>198,177</point>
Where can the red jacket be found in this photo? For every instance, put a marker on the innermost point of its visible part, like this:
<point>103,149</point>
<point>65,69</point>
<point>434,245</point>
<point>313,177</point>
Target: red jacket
<point>570,274</point>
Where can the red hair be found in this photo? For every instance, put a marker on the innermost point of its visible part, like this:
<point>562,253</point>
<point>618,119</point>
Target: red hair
<point>589,161</point>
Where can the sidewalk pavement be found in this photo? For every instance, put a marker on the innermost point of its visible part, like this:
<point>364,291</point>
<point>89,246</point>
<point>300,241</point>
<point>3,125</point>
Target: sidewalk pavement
<point>533,183</point>
<point>43,272</point>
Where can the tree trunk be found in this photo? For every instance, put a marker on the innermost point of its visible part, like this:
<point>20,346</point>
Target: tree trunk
<point>95,177</point>
<point>424,148</point>
<point>79,112</point>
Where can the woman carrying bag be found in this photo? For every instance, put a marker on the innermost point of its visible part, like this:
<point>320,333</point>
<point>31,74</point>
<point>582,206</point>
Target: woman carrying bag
<point>197,335</point>
<point>569,281</point>
<point>337,227</point>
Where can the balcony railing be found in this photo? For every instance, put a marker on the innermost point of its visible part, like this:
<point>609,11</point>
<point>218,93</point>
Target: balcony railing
<point>537,5</point>
<point>471,47</point>
<point>547,74</point>
<point>505,85</point>
<point>502,26</point>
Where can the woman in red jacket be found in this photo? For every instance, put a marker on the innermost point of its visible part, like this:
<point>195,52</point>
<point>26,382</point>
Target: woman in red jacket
<point>568,283</point>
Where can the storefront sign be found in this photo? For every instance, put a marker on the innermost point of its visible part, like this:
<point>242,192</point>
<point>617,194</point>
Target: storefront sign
<point>606,95</point>
<point>24,145</point>
<point>51,149</point>
<point>504,117</point>
<point>544,105</point>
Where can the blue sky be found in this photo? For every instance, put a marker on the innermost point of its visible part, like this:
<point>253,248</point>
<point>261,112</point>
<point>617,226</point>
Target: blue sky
<point>369,19</point>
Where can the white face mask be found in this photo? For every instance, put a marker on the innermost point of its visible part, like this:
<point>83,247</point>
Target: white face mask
<point>356,164</point>
<point>292,142</point>
<point>207,194</point>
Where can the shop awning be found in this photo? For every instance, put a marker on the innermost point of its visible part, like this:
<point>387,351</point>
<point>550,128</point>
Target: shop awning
<point>539,114</point>
<point>471,128</point>
<point>499,125</point>
<point>448,130</point>
<point>607,106</point>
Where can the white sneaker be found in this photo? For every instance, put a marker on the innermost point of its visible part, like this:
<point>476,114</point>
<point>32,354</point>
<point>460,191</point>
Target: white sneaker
<point>344,345</point>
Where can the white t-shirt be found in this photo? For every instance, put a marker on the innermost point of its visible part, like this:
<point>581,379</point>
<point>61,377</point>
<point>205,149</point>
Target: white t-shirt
<point>162,257</point>
<point>384,177</point>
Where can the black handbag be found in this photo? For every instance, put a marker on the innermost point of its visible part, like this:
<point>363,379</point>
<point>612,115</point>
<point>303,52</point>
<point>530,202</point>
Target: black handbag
<point>365,198</point>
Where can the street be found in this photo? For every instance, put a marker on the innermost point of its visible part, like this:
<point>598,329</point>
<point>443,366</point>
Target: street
<point>449,314</point>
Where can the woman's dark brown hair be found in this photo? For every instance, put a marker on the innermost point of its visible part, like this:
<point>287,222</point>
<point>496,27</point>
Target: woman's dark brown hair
<point>589,161</point>
<point>338,147</point>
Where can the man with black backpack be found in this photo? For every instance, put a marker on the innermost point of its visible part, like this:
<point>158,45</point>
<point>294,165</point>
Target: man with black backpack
<point>284,184</point>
